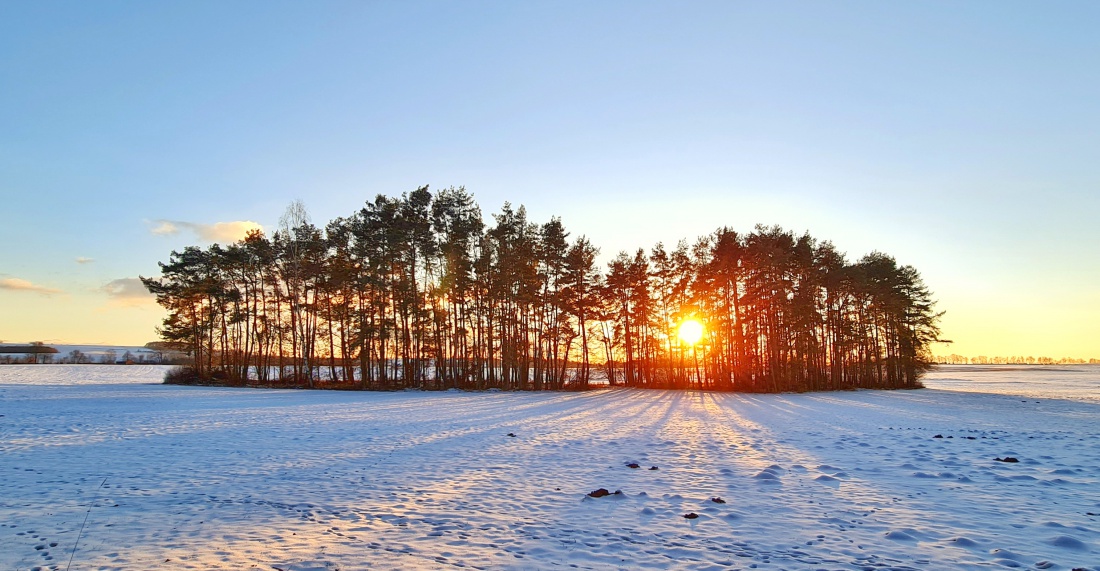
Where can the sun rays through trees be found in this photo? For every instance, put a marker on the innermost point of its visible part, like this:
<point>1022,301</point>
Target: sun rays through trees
<point>416,291</point>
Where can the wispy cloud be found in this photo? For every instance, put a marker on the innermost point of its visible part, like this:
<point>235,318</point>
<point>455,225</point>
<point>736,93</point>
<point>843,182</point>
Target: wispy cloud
<point>217,232</point>
<point>17,284</point>
<point>83,260</point>
<point>165,228</point>
<point>128,292</point>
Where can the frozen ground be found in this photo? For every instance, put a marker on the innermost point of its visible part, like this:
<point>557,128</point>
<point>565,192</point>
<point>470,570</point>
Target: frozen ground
<point>200,478</point>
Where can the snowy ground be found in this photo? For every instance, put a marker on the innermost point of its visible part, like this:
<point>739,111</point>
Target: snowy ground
<point>152,476</point>
<point>1074,382</point>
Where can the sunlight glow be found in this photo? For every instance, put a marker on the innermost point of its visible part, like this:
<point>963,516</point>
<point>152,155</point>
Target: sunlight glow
<point>691,331</point>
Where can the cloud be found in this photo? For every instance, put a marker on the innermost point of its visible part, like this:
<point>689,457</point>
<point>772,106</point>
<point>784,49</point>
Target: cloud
<point>16,284</point>
<point>165,228</point>
<point>218,232</point>
<point>83,260</point>
<point>128,292</point>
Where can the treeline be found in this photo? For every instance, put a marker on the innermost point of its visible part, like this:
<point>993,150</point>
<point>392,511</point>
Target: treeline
<point>417,291</point>
<point>77,357</point>
<point>954,359</point>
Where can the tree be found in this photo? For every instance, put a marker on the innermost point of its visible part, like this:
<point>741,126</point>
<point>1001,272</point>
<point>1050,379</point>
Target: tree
<point>581,281</point>
<point>292,242</point>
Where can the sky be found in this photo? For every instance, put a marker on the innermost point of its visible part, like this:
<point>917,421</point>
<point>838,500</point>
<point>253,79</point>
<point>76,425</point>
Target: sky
<point>960,138</point>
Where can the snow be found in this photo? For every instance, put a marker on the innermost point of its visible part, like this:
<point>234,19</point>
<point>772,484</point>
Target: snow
<point>154,476</point>
<point>1077,382</point>
<point>60,375</point>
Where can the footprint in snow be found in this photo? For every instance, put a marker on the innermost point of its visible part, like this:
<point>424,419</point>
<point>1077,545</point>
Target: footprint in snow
<point>1068,542</point>
<point>904,535</point>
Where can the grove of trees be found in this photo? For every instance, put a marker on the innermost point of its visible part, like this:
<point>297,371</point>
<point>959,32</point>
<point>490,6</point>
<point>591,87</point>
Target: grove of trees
<point>418,291</point>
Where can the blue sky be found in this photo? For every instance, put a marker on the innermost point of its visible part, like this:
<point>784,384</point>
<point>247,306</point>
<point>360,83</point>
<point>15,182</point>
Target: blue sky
<point>960,138</point>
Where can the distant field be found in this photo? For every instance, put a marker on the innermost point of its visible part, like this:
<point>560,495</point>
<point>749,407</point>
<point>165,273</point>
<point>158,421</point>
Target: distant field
<point>81,374</point>
<point>1077,382</point>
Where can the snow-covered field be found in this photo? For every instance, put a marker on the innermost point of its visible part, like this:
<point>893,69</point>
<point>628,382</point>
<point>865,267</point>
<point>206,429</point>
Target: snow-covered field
<point>1077,382</point>
<point>60,375</point>
<point>133,475</point>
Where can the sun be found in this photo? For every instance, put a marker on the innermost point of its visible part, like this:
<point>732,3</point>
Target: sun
<point>691,331</point>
